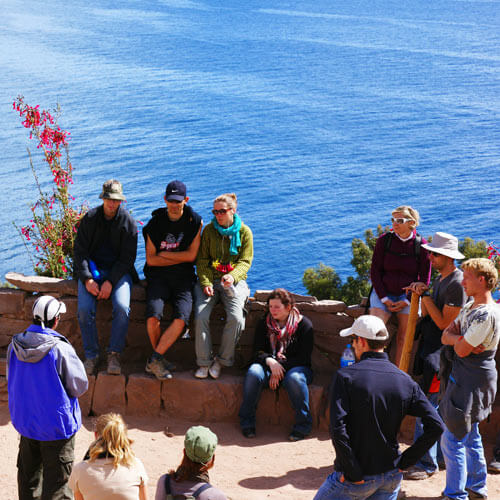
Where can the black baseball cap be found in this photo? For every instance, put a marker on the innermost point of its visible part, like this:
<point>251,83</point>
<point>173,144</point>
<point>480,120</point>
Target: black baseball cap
<point>176,191</point>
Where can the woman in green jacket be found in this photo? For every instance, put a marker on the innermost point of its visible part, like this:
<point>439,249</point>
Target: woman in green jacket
<point>224,258</point>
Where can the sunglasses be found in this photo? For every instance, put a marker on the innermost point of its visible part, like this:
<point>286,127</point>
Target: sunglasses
<point>221,211</point>
<point>400,220</point>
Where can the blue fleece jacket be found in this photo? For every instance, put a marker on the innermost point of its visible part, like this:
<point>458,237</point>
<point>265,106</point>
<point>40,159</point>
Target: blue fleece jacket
<point>44,377</point>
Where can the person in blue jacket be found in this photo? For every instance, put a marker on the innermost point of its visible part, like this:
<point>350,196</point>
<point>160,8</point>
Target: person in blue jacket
<point>44,378</point>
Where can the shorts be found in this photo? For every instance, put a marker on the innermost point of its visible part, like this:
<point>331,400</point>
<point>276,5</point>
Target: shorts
<point>179,294</point>
<point>376,302</point>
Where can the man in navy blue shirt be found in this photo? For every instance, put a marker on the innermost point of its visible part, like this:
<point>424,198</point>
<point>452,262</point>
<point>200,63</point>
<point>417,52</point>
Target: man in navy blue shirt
<point>369,401</point>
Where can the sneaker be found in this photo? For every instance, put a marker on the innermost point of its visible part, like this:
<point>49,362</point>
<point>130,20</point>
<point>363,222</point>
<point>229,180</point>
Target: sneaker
<point>473,495</point>
<point>215,369</point>
<point>90,365</point>
<point>248,432</point>
<point>494,466</point>
<point>296,436</point>
<point>114,367</point>
<point>201,372</point>
<point>171,367</point>
<point>158,369</point>
<point>416,474</point>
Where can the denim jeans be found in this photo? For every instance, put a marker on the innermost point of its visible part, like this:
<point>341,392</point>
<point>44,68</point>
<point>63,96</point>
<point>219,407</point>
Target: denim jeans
<point>295,382</point>
<point>429,462</point>
<point>87,303</point>
<point>377,487</point>
<point>235,322</point>
<point>465,463</point>
<point>43,469</point>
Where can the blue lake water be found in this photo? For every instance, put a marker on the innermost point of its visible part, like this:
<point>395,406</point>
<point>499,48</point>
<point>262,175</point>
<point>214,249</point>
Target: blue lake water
<point>321,115</point>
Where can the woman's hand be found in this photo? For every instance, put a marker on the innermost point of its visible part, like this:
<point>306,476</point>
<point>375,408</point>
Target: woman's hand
<point>397,306</point>
<point>277,372</point>
<point>227,280</point>
<point>209,290</point>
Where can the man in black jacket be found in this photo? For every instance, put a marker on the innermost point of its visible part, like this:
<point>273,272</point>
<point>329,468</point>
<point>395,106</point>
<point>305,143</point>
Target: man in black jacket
<point>369,401</point>
<point>104,256</point>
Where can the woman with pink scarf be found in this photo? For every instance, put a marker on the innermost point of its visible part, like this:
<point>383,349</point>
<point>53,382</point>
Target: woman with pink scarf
<point>282,355</point>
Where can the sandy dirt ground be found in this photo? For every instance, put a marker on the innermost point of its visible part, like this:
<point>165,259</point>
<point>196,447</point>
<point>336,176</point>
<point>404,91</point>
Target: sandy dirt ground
<point>268,467</point>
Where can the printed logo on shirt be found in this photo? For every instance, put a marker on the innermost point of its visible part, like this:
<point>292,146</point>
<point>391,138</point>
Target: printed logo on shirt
<point>170,243</point>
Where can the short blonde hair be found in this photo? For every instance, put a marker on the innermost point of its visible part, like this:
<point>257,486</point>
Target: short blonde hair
<point>409,213</point>
<point>229,198</point>
<point>112,439</point>
<point>481,266</point>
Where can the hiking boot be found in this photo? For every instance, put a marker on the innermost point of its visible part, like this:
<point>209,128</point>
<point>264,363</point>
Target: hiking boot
<point>248,432</point>
<point>416,474</point>
<point>494,466</point>
<point>215,369</point>
<point>114,367</point>
<point>296,436</point>
<point>90,365</point>
<point>473,495</point>
<point>171,367</point>
<point>201,372</point>
<point>158,369</point>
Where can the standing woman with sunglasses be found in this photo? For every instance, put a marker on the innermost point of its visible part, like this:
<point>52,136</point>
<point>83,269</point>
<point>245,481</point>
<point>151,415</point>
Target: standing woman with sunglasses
<point>398,260</point>
<point>224,258</point>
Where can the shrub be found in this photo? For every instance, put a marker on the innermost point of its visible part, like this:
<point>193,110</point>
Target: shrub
<point>50,234</point>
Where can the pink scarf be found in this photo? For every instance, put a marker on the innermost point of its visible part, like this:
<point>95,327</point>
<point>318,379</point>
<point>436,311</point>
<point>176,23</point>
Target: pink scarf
<point>279,338</point>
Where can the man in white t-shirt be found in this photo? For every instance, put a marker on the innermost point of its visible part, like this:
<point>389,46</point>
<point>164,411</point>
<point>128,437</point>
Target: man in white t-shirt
<point>472,382</point>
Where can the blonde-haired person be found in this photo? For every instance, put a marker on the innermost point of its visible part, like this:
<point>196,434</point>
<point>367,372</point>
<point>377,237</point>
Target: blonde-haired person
<point>398,260</point>
<point>224,258</point>
<point>110,470</point>
<point>191,479</point>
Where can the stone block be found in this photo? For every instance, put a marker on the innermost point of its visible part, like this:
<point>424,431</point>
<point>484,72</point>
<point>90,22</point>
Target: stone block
<point>9,327</point>
<point>138,311</point>
<point>143,395</point>
<point>208,401</point>
<point>85,400</point>
<point>68,287</point>
<point>4,395</point>
<point>257,306</point>
<point>355,311</point>
<point>12,302</point>
<point>324,306</point>
<point>39,284</point>
<point>330,343</point>
<point>71,304</point>
<point>109,394</point>
<point>262,295</point>
<point>138,291</point>
<point>322,363</point>
<point>329,323</point>
<point>137,335</point>
<point>3,366</point>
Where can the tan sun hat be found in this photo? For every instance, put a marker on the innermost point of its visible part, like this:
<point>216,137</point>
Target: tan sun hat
<point>444,244</point>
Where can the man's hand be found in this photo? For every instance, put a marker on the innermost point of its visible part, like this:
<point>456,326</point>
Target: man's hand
<point>478,349</point>
<point>342,479</point>
<point>277,372</point>
<point>417,287</point>
<point>209,290</point>
<point>105,292</point>
<point>92,287</point>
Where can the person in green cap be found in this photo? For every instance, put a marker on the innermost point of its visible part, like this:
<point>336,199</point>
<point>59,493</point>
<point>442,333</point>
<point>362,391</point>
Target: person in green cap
<point>191,477</point>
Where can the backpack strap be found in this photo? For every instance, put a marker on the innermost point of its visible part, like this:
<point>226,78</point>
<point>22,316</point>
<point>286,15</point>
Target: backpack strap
<point>201,489</point>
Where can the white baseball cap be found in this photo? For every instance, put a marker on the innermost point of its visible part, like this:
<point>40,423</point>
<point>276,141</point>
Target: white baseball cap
<point>46,308</point>
<point>367,326</point>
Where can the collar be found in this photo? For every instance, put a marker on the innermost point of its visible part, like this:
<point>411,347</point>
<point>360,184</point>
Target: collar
<point>41,329</point>
<point>408,238</point>
<point>374,354</point>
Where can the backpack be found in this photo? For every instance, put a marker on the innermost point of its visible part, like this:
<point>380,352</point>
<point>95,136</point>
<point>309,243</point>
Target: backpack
<point>195,495</point>
<point>387,249</point>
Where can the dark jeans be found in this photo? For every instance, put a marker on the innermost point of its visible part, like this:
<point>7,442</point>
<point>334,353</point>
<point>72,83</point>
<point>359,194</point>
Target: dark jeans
<point>43,469</point>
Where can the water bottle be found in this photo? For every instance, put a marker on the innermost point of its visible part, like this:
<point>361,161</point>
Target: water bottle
<point>96,275</point>
<point>347,357</point>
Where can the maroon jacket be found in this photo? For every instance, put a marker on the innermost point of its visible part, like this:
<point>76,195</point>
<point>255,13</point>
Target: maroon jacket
<point>391,272</point>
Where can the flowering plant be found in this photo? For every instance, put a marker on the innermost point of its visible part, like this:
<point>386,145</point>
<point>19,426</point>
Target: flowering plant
<point>222,268</point>
<point>49,236</point>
